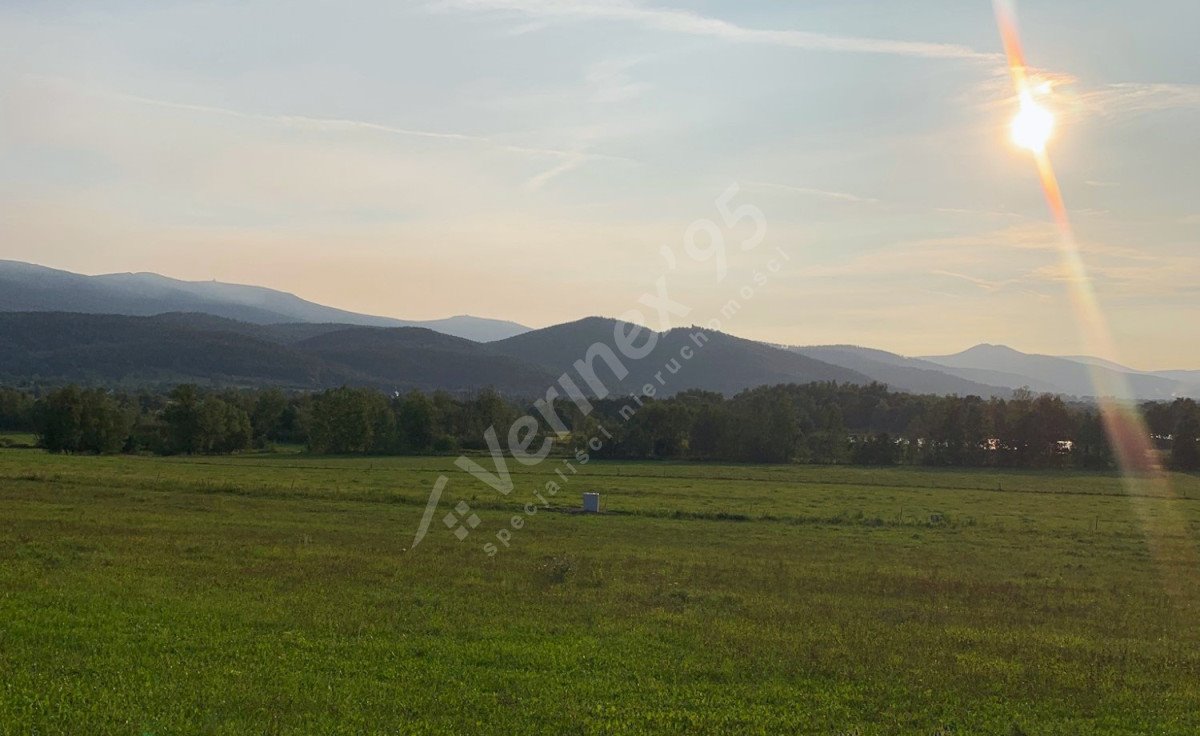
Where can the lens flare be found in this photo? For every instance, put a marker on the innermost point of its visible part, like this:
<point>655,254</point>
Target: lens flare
<point>1148,486</point>
<point>1032,126</point>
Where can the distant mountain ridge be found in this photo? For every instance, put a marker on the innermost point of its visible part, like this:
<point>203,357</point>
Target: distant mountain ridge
<point>998,370</point>
<point>902,374</point>
<point>1069,376</point>
<point>131,328</point>
<point>25,287</point>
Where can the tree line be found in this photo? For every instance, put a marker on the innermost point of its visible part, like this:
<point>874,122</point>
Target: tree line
<point>826,423</point>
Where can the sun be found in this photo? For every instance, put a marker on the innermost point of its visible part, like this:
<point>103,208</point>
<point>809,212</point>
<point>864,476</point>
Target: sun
<point>1032,126</point>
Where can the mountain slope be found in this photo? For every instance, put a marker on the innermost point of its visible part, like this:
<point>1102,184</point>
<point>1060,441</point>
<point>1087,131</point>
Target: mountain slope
<point>900,373</point>
<point>58,347</point>
<point>28,288</point>
<point>138,351</point>
<point>1059,375</point>
<point>1187,379</point>
<point>173,348</point>
<point>415,358</point>
<point>724,363</point>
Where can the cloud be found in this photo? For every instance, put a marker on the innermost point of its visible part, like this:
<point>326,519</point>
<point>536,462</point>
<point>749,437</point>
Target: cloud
<point>343,125</point>
<point>822,193</point>
<point>610,81</point>
<point>1076,97</point>
<point>189,164</point>
<point>564,159</point>
<point>979,212</point>
<point>985,284</point>
<point>693,24</point>
<point>537,182</point>
<point>1016,260</point>
<point>1031,236</point>
<point>1131,98</point>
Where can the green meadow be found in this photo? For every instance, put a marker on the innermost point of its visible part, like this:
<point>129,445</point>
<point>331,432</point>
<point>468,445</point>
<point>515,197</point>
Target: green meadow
<point>278,594</point>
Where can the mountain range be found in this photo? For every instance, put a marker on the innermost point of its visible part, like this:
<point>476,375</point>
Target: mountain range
<point>145,329</point>
<point>165,349</point>
<point>25,287</point>
<point>998,370</point>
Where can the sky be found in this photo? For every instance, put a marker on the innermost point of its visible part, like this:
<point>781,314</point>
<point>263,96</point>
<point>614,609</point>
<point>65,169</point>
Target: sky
<point>543,161</point>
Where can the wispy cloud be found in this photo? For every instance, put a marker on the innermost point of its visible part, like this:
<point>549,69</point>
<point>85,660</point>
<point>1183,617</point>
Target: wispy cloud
<point>344,125</point>
<point>564,159</point>
<point>1128,98</point>
<point>1077,97</point>
<point>811,192</point>
<point>568,164</point>
<point>1031,236</point>
<point>685,22</point>
<point>979,212</point>
<point>982,283</point>
<point>610,81</point>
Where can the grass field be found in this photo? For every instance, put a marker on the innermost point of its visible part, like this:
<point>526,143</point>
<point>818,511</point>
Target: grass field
<point>277,594</point>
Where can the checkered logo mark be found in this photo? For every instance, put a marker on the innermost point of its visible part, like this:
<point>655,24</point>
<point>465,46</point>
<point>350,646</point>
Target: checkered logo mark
<point>453,521</point>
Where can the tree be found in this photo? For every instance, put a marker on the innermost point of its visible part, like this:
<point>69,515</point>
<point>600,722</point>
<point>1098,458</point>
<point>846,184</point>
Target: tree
<point>1052,426</point>
<point>182,419</point>
<point>16,410</point>
<point>709,435</point>
<point>766,430</point>
<point>1092,448</point>
<point>267,418</point>
<point>879,449</point>
<point>829,443</point>
<point>487,409</point>
<point>1185,450</point>
<point>1035,426</point>
<point>224,428</point>
<point>415,415</point>
<point>350,421</point>
<point>74,420</point>
<point>59,420</point>
<point>197,424</point>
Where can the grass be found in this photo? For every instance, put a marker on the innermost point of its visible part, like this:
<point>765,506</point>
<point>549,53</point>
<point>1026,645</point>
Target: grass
<point>276,594</point>
<point>17,439</point>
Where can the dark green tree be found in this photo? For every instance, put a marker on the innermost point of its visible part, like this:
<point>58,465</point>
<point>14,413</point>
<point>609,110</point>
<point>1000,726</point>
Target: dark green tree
<point>75,420</point>
<point>1185,446</point>
<point>16,410</point>
<point>350,421</point>
<point>877,449</point>
<point>1091,446</point>
<point>267,417</point>
<point>710,434</point>
<point>198,425</point>
<point>416,417</point>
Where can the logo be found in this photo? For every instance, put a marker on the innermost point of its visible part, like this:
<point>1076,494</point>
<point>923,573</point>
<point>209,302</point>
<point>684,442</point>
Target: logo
<point>452,520</point>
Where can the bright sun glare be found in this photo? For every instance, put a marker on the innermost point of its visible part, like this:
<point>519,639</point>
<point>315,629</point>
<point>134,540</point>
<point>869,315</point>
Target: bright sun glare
<point>1032,126</point>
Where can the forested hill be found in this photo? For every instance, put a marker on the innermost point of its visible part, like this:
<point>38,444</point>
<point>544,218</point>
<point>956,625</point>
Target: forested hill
<point>723,363</point>
<point>54,348</point>
<point>110,350</point>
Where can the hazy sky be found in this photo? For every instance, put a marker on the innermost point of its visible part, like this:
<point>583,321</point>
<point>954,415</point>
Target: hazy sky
<point>529,159</point>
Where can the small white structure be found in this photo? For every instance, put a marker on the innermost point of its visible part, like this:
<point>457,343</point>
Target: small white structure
<point>591,503</point>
